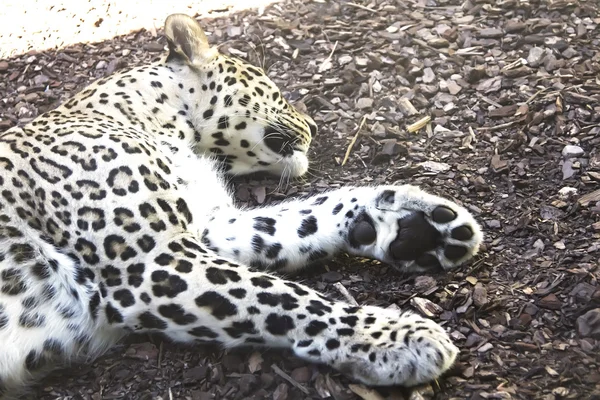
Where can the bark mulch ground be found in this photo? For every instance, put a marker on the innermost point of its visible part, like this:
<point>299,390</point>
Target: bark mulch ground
<point>495,104</point>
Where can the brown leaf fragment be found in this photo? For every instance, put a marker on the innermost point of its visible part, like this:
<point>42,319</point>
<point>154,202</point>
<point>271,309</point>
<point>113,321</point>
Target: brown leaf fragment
<point>550,302</point>
<point>524,319</point>
<point>453,87</point>
<point>364,103</point>
<point>567,169</point>
<point>438,43</point>
<point>594,175</point>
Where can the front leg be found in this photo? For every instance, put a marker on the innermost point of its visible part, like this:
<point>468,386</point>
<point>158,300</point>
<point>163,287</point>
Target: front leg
<point>213,299</point>
<point>400,225</point>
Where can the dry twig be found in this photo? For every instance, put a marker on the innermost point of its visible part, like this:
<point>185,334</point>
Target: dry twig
<point>342,289</point>
<point>288,378</point>
<point>349,149</point>
<point>362,7</point>
<point>412,128</point>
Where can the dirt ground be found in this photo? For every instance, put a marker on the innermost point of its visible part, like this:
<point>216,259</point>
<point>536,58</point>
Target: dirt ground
<point>512,90</point>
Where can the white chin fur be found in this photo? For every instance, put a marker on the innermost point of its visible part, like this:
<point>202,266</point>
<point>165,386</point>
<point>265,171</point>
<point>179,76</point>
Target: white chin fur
<point>297,164</point>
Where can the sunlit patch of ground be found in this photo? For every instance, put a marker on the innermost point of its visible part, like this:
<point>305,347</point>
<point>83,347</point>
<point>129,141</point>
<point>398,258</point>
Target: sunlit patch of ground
<point>27,25</point>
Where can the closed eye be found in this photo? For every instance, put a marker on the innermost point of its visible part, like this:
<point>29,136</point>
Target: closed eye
<point>313,129</point>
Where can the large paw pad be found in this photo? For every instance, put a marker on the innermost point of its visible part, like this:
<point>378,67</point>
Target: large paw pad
<point>443,215</point>
<point>416,230</point>
<point>363,233</point>
<point>462,233</point>
<point>415,237</point>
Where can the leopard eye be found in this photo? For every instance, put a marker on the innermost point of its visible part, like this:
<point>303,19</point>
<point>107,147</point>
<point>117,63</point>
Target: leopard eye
<point>277,141</point>
<point>313,129</point>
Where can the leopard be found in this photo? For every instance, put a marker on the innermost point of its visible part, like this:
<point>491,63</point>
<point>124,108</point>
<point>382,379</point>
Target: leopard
<point>117,217</point>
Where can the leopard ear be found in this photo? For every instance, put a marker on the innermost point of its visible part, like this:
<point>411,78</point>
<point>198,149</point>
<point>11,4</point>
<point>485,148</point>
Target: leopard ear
<point>187,40</point>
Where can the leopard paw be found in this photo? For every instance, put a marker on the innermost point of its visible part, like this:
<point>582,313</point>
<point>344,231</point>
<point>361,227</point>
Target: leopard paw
<point>414,230</point>
<point>384,348</point>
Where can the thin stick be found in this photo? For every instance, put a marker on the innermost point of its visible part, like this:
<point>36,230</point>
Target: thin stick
<point>345,293</point>
<point>536,94</point>
<point>412,128</point>
<point>326,64</point>
<point>362,7</point>
<point>349,149</point>
<point>333,50</point>
<point>288,378</point>
<point>497,127</point>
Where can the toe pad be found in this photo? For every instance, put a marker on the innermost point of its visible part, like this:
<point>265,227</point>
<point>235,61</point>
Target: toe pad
<point>364,233</point>
<point>443,215</point>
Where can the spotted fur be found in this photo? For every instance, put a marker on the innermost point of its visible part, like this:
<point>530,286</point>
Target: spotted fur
<point>114,219</point>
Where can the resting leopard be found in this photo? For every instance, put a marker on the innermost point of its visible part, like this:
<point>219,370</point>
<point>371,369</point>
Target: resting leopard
<point>115,218</point>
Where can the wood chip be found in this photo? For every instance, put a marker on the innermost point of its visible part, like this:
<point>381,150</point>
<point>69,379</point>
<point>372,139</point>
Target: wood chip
<point>586,199</point>
<point>406,107</point>
<point>425,306</point>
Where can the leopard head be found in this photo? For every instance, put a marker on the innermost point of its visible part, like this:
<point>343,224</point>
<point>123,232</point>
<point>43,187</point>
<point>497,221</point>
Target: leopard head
<point>239,113</point>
